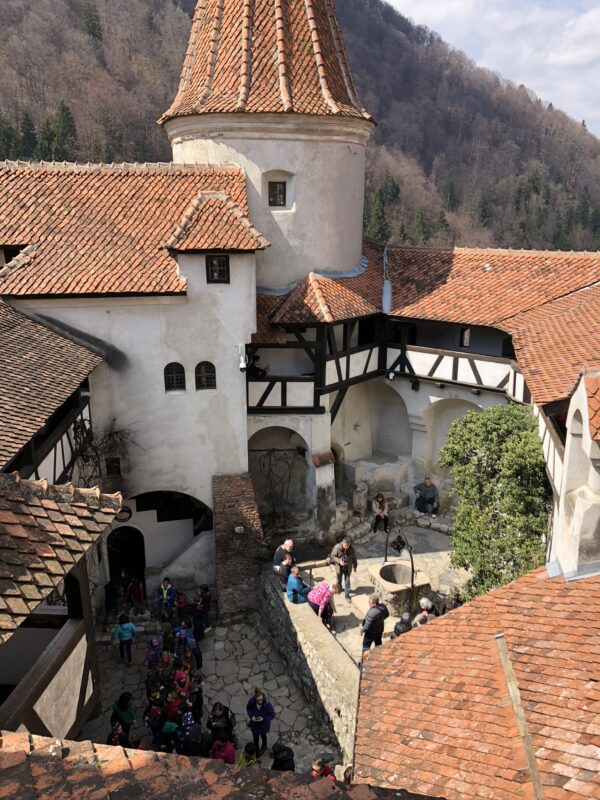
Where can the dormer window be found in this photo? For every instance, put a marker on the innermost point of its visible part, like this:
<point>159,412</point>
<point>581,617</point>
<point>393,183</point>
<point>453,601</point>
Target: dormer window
<point>277,194</point>
<point>217,269</point>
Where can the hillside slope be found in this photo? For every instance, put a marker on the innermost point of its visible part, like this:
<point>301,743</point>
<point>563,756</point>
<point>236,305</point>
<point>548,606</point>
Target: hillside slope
<point>458,156</point>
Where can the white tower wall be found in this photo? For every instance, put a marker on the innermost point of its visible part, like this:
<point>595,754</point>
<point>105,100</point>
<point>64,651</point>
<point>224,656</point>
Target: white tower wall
<point>323,161</point>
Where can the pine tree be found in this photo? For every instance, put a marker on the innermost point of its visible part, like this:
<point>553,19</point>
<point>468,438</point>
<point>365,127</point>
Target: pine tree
<point>441,224</point>
<point>65,134</point>
<point>43,150</point>
<point>91,20</point>
<point>449,195</point>
<point>28,137</point>
<point>9,140</point>
<point>389,191</point>
<point>403,236</point>
<point>484,211</point>
<point>377,227</point>
<point>421,228</point>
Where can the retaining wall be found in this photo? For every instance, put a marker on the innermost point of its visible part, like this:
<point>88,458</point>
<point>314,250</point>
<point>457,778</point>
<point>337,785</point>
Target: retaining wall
<point>328,676</point>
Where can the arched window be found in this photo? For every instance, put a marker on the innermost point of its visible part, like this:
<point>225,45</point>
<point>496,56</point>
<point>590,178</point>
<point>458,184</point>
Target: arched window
<point>206,376</point>
<point>174,377</point>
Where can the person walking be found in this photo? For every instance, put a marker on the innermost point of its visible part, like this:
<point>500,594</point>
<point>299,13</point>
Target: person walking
<point>380,509</point>
<point>343,557</point>
<point>260,715</point>
<point>124,711</point>
<point>283,758</point>
<point>124,633</point>
<point>296,588</point>
<point>372,626</point>
<point>165,596</point>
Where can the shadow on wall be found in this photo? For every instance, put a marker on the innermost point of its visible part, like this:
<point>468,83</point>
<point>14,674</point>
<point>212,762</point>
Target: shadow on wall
<point>278,465</point>
<point>438,417</point>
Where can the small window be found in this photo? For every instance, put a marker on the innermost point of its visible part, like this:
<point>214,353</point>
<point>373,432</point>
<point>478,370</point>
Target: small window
<point>465,337</point>
<point>113,467</point>
<point>206,376</point>
<point>217,269</point>
<point>277,194</point>
<point>174,378</point>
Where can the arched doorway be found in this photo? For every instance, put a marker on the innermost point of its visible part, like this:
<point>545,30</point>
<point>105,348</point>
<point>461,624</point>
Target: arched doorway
<point>126,551</point>
<point>278,465</point>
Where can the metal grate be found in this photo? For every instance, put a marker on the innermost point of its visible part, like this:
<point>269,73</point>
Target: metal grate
<point>217,269</point>
<point>174,378</point>
<point>277,194</point>
<point>206,376</point>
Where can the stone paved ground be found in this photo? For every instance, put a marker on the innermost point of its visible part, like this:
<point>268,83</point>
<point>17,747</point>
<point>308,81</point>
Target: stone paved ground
<point>236,659</point>
<point>431,550</point>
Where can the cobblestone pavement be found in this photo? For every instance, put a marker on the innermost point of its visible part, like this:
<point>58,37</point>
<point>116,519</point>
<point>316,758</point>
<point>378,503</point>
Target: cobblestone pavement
<point>236,659</point>
<point>432,556</point>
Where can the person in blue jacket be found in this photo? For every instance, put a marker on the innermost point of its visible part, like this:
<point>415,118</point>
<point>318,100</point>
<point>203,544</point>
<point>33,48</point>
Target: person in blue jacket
<point>260,713</point>
<point>296,588</point>
<point>124,633</point>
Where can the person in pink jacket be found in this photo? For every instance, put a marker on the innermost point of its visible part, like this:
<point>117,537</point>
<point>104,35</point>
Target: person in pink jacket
<point>320,599</point>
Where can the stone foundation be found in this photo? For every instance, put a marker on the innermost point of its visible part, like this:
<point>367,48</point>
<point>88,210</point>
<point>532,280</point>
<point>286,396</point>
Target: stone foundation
<point>326,673</point>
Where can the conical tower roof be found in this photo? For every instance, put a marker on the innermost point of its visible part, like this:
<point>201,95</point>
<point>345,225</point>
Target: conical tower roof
<point>266,56</point>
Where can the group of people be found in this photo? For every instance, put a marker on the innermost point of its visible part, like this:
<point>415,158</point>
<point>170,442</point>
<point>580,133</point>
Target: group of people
<point>174,706</point>
<point>126,595</point>
<point>427,501</point>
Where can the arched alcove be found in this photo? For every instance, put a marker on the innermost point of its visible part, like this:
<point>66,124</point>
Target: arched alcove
<point>438,417</point>
<point>390,427</point>
<point>278,465</point>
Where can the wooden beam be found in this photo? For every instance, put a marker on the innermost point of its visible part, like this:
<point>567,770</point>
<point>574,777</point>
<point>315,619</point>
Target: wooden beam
<point>337,403</point>
<point>266,393</point>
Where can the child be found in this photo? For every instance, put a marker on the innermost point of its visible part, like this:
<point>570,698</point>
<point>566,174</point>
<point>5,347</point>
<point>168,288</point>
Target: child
<point>154,654</point>
<point>222,750</point>
<point>248,756</point>
<point>320,769</point>
<point>124,633</point>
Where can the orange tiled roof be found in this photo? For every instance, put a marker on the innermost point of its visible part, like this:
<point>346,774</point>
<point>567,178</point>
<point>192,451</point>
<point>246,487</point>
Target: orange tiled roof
<point>265,332</point>
<point>275,56</point>
<point>435,714</point>
<point>548,301</point>
<point>104,229</point>
<point>38,768</point>
<point>39,371</point>
<point>44,531</point>
<point>212,220</point>
<point>592,387</point>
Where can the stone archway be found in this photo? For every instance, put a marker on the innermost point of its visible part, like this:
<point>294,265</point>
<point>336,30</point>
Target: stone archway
<point>126,551</point>
<point>438,417</point>
<point>278,464</point>
<point>390,426</point>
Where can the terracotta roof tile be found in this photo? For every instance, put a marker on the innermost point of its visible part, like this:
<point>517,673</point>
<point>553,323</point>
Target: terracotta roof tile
<point>592,387</point>
<point>104,229</point>
<point>36,768</point>
<point>265,332</point>
<point>435,708</point>
<point>25,579</point>
<point>275,56</point>
<point>548,301</point>
<point>39,371</point>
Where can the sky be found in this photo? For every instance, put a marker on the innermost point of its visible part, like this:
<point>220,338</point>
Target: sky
<point>551,46</point>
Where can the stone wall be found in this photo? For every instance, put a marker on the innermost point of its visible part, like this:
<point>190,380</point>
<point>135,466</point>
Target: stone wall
<point>324,670</point>
<point>238,556</point>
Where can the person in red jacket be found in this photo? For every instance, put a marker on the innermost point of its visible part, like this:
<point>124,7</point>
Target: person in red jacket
<point>223,750</point>
<point>320,769</point>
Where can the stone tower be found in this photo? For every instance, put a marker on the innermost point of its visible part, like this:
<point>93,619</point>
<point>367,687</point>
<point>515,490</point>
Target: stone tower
<point>266,85</point>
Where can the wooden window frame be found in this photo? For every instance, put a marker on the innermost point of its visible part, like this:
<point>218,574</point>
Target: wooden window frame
<point>171,378</point>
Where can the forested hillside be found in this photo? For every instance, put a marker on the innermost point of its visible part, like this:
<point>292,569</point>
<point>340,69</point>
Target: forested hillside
<point>459,155</point>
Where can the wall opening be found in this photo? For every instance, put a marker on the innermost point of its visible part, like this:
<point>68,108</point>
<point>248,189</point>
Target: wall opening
<point>278,465</point>
<point>126,551</point>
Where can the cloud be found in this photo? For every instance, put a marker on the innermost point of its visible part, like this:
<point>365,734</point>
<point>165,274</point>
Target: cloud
<point>551,46</point>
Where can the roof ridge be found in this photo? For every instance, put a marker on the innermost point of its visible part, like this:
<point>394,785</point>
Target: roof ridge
<point>246,60</point>
<point>213,52</point>
<point>66,492</point>
<point>338,43</point>
<point>313,281</point>
<point>284,84</point>
<point>320,62</point>
<point>501,250</point>
<point>548,302</point>
<point>124,166</point>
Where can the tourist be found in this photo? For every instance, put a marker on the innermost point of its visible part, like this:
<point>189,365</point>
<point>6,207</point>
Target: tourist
<point>117,737</point>
<point>380,509</point>
<point>343,556</point>
<point>402,626</point>
<point>255,370</point>
<point>198,617</point>
<point>248,756</point>
<point>206,601</point>
<point>373,623</point>
<point>180,605</point>
<point>260,714</point>
<point>124,711</point>
<point>296,588</point>
<point>154,654</point>
<point>426,613</point>
<point>222,749</point>
<point>284,570</point>
<point>320,769</point>
<point>194,744</point>
<point>124,633</point>
<point>169,737</point>
<point>165,596</point>
<point>221,721</point>
<point>111,602</point>
<point>281,553</point>
<point>320,599</point>
<point>452,602</point>
<point>135,597</point>
<point>427,495</point>
<point>283,758</point>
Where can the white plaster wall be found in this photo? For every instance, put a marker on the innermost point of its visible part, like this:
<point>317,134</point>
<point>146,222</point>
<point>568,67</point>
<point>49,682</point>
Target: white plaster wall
<point>194,567</point>
<point>352,430</point>
<point>57,706</point>
<point>322,230</point>
<point>186,437</point>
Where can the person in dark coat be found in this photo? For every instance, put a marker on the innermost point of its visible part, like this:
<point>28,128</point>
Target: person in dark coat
<point>402,626</point>
<point>284,570</point>
<point>221,722</point>
<point>343,557</point>
<point>372,626</point>
<point>260,714</point>
<point>281,553</point>
<point>283,758</point>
